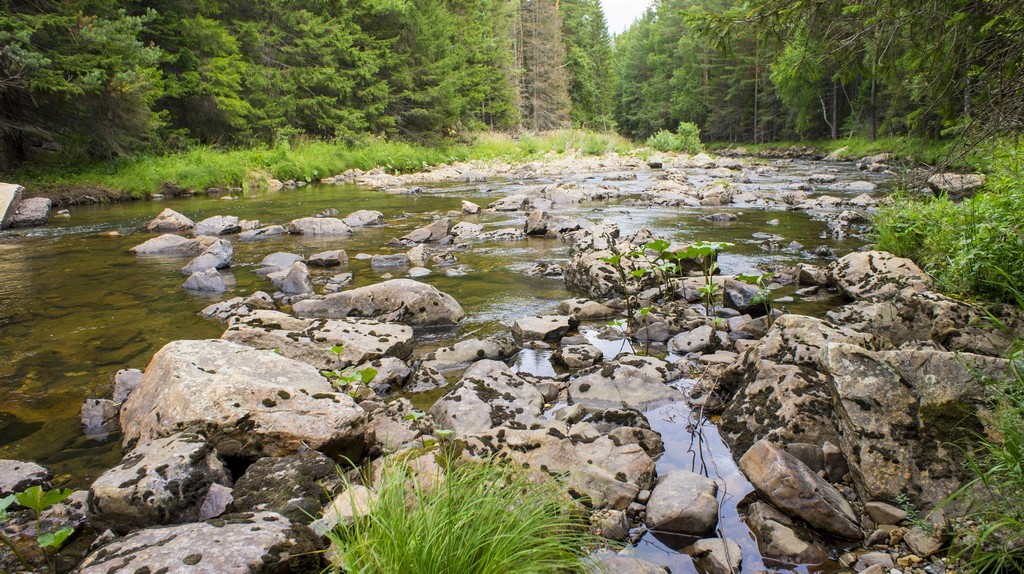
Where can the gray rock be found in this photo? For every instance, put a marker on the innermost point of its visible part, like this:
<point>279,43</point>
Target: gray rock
<point>418,272</point>
<point>392,373</point>
<point>882,513</point>
<point>470,208</point>
<point>17,475</point>
<point>250,543</point>
<point>511,203</point>
<point>631,382</point>
<point>217,256</point>
<point>295,486</point>
<point>425,379</point>
<point>239,306</point>
<point>297,281</point>
<point>585,309</point>
<point>334,258</point>
<point>432,233</point>
<point>388,261</point>
<point>695,341</point>
<point>170,221</point>
<point>218,500</point>
<point>319,226</point>
<point>467,351</point>
<point>616,564</point>
<point>793,488</point>
<point>364,218</point>
<point>543,328</point>
<point>778,538</point>
<point>396,300</point>
<point>683,502</point>
<point>578,356</point>
<point>488,395</point>
<point>876,275</point>
<point>218,225</point>
<point>248,403</point>
<point>716,556</point>
<point>10,197</point>
<point>743,297</point>
<point>507,234</point>
<point>99,417</point>
<point>164,481</point>
<point>957,186</point>
<point>466,230</point>
<point>208,281</point>
<point>921,542</point>
<point>263,232</point>
<point>169,245</point>
<point>278,261</point>
<point>310,340</point>
<point>125,381</point>
<point>399,425</point>
<point>869,559</point>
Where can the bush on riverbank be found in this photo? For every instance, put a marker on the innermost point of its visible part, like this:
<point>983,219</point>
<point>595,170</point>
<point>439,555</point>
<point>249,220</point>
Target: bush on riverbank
<point>974,248</point>
<point>483,518</point>
<point>202,168</point>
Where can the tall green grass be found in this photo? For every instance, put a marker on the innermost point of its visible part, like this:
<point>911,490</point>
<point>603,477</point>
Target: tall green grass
<point>482,518</point>
<point>201,168</point>
<point>974,248</point>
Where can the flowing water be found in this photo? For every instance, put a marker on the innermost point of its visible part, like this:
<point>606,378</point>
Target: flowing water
<point>76,306</point>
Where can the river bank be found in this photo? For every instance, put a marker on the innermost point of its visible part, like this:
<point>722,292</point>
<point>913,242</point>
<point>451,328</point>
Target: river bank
<point>505,347</point>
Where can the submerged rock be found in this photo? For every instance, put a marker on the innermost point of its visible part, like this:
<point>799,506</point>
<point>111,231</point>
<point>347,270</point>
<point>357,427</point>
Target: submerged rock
<point>169,244</point>
<point>716,556</point>
<point>248,403</point>
<point>319,226</point>
<point>397,300</point>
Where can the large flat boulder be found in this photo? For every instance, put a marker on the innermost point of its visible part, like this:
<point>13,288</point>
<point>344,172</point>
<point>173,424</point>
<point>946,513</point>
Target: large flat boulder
<point>876,275</point>
<point>17,475</point>
<point>296,486</point>
<point>467,351</point>
<point>170,221</point>
<point>218,225</point>
<point>170,245</point>
<point>319,226</point>
<point>310,340</point>
<point>10,197</point>
<point>792,487</point>
<point>488,395</point>
<point>165,481</point>
<point>248,403</point>
<point>249,543</point>
<point>633,382</point>
<point>397,300</point>
<point>32,212</point>
<point>364,218</point>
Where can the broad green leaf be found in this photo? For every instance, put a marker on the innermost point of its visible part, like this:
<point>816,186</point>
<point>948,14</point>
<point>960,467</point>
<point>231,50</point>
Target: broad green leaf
<point>56,539</point>
<point>39,500</point>
<point>367,374</point>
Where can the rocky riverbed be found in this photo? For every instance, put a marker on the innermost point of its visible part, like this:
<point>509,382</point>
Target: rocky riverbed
<point>523,312</point>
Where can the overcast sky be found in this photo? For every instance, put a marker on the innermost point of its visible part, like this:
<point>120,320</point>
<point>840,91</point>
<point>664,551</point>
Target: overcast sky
<point>622,13</point>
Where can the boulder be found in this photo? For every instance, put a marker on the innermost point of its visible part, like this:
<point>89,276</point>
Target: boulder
<point>296,486</point>
<point>263,232</point>
<point>743,297</point>
<point>683,502</point>
<point>249,543</point>
<point>278,261</point>
<point>218,225</point>
<point>618,564</point>
<point>310,340</point>
<point>164,481</point>
<point>488,395</point>
<point>125,381</point>
<point>466,230</point>
<point>169,245</point>
<point>882,513</point>
<point>296,280</point>
<point>792,487</point>
<point>319,226</point>
<point>716,556</point>
<point>99,417</point>
<point>432,233</point>
<point>543,328</point>
<point>208,281</point>
<point>392,373</point>
<point>778,537</point>
<point>467,351</point>
<point>470,208</point>
<point>398,425</point>
<point>957,186</point>
<point>506,234</point>
<point>511,203</point>
<point>354,502</point>
<point>876,275</point>
<point>578,356</point>
<point>248,403</point>
<point>217,256</point>
<point>170,221</point>
<point>631,381</point>
<point>390,260</point>
<point>585,309</point>
<point>17,475</point>
<point>364,218</point>
<point>397,300</point>
<point>333,258</point>
<point>10,197</point>
<point>425,379</point>
<point>239,306</point>
<point>697,340</point>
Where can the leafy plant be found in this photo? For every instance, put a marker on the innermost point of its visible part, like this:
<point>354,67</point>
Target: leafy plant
<point>483,518</point>
<point>765,295</point>
<point>37,500</point>
<point>706,252</point>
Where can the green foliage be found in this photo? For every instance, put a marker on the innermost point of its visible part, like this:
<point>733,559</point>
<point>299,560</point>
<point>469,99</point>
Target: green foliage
<point>974,248</point>
<point>686,139</point>
<point>588,61</point>
<point>37,500</point>
<point>760,280</point>
<point>483,518</point>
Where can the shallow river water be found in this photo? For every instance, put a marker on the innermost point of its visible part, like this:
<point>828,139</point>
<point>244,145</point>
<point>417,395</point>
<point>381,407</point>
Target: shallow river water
<point>76,306</point>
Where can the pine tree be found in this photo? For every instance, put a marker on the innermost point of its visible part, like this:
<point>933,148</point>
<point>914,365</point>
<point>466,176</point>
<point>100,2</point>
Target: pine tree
<point>543,85</point>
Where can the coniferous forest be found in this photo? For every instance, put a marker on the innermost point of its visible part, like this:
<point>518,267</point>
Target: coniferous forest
<point>97,79</point>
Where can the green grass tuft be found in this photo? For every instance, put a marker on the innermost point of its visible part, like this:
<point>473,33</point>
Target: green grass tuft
<point>483,518</point>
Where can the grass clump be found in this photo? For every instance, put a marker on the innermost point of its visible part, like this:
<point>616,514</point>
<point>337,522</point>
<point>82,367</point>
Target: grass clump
<point>481,518</point>
<point>686,139</point>
<point>974,248</point>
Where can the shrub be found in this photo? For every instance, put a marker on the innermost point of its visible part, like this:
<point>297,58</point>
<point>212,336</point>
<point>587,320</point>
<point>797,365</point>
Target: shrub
<point>686,139</point>
<point>482,518</point>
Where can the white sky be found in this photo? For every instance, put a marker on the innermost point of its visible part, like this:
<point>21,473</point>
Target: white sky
<point>621,13</point>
